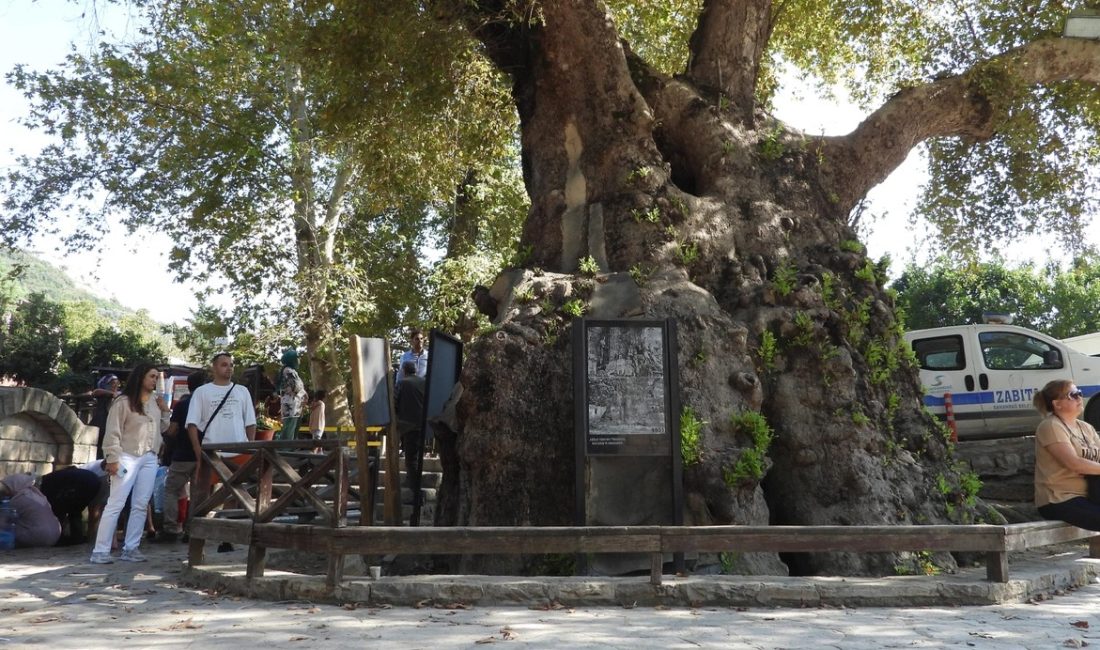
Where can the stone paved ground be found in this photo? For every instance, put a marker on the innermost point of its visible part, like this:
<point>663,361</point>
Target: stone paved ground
<point>50,598</point>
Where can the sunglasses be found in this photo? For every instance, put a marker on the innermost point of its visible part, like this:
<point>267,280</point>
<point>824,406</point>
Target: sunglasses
<point>1075,395</point>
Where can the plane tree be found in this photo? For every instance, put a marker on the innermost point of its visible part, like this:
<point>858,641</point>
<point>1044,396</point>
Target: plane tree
<point>650,153</point>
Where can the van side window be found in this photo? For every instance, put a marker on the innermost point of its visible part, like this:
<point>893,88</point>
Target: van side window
<point>1015,351</point>
<point>940,353</point>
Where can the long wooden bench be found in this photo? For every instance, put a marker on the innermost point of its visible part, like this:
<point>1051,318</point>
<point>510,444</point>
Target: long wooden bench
<point>995,541</point>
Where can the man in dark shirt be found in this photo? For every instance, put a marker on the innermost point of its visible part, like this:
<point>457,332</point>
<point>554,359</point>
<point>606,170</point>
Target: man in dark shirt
<point>410,410</point>
<point>182,466</point>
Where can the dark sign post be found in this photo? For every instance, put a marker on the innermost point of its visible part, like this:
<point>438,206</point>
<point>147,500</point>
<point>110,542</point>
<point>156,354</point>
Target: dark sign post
<point>626,398</point>
<point>444,368</point>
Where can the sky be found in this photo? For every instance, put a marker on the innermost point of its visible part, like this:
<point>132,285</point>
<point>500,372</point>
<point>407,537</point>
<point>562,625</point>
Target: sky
<point>39,33</point>
<point>131,268</point>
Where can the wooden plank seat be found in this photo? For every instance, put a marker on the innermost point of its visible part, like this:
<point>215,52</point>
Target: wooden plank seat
<point>995,541</point>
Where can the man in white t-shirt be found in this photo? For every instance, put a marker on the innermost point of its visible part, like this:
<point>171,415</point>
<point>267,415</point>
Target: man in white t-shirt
<point>235,421</point>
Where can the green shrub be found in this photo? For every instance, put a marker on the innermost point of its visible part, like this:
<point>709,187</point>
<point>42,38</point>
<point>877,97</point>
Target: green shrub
<point>691,429</point>
<point>587,266</point>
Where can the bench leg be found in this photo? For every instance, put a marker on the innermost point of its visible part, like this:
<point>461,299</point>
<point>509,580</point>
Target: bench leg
<point>196,551</point>
<point>335,571</point>
<point>996,566</point>
<point>656,566</point>
<point>1094,547</point>
<point>257,560</point>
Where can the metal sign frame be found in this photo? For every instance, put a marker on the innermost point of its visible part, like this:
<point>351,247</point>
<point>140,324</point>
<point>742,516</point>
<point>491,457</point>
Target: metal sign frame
<point>617,367</point>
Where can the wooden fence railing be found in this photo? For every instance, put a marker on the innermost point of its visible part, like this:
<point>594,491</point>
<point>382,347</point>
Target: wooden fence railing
<point>259,482</point>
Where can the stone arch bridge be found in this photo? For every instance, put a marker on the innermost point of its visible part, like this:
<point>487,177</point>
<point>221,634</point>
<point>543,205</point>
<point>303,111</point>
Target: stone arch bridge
<point>40,433</point>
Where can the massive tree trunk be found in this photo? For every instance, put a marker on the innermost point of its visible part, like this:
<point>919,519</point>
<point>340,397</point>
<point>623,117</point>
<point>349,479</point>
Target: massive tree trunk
<point>721,217</point>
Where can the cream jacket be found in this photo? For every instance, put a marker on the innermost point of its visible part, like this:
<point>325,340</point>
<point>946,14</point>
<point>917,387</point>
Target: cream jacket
<point>133,433</point>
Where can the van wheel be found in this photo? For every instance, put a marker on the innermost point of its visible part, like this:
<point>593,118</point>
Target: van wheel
<point>1092,413</point>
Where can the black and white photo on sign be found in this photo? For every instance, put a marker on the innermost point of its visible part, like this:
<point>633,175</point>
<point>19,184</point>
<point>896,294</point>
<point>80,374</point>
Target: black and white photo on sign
<point>625,381</point>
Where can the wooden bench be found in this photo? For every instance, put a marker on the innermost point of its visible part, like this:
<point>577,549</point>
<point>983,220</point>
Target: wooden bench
<point>995,541</point>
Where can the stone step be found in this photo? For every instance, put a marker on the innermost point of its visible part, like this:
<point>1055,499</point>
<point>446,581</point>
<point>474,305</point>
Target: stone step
<point>427,514</point>
<point>427,479</point>
<point>431,463</point>
<point>426,495</point>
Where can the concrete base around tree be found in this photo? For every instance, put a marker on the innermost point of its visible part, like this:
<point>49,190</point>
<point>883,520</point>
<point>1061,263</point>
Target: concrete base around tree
<point>1036,575</point>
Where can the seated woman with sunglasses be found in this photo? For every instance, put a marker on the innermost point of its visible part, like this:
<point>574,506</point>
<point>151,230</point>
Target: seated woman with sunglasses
<point>1066,449</point>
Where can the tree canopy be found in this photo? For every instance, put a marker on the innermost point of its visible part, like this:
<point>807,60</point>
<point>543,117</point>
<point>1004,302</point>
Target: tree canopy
<point>1060,302</point>
<point>57,345</point>
<point>294,150</point>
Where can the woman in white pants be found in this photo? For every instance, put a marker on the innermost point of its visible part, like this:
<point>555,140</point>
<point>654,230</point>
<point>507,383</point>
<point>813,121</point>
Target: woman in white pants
<point>135,423</point>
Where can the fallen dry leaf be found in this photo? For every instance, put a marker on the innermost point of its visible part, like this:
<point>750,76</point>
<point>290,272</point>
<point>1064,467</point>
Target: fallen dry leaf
<point>488,639</point>
<point>508,634</point>
<point>185,625</point>
<point>1084,625</point>
<point>45,619</point>
<point>453,606</point>
<point>1074,643</point>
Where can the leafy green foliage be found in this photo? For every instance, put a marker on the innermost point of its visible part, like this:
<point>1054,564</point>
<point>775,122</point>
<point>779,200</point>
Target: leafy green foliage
<point>111,348</point>
<point>852,246</point>
<point>588,266</point>
<point>652,215</point>
<point>32,340</point>
<point>640,273</point>
<point>691,430</point>
<point>771,145</point>
<point>525,296</point>
<point>785,279</point>
<point>574,307</point>
<point>1060,302</point>
<point>804,324</point>
<point>866,272</point>
<point>687,252</point>
<point>658,31</point>
<point>767,350</point>
<point>750,464</point>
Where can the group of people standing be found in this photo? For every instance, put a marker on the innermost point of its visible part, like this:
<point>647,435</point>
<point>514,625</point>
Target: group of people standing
<point>135,421</point>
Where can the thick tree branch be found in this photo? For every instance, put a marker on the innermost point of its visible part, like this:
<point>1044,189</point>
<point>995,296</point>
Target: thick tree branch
<point>334,207</point>
<point>954,106</point>
<point>726,49</point>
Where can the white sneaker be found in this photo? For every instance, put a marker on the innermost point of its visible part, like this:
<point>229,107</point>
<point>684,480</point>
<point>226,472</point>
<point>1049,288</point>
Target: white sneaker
<point>132,556</point>
<point>101,558</point>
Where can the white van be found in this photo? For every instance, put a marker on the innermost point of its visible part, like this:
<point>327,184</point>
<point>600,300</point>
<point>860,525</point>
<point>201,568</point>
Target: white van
<point>993,371</point>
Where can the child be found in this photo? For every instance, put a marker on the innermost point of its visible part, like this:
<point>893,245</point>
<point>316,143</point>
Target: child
<point>317,417</point>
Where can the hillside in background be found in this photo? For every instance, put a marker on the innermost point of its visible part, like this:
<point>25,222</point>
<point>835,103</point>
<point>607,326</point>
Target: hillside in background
<point>45,278</point>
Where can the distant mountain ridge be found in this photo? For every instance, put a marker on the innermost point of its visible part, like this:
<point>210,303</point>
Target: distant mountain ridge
<point>43,277</point>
